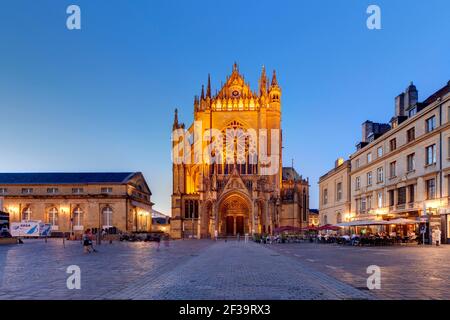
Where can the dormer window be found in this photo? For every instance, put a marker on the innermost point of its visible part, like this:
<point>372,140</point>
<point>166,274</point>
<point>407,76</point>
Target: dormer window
<point>77,190</point>
<point>52,190</point>
<point>27,190</point>
<point>106,190</point>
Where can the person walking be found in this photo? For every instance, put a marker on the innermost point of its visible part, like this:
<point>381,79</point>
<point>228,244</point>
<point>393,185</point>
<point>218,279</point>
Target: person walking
<point>166,241</point>
<point>87,241</point>
<point>91,240</point>
<point>437,237</point>
<point>158,242</point>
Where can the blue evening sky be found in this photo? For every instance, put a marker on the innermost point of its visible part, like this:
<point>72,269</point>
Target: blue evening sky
<point>102,98</point>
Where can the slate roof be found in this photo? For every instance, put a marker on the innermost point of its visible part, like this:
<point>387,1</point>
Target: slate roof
<point>66,178</point>
<point>440,93</point>
<point>289,173</point>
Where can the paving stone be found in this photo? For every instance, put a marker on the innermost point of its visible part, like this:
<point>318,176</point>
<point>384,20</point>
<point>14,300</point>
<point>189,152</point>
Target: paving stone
<point>204,269</point>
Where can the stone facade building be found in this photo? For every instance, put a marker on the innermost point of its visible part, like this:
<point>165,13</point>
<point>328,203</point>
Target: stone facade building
<point>402,169</point>
<point>404,172</point>
<point>334,193</point>
<point>314,218</point>
<point>73,202</point>
<point>236,183</point>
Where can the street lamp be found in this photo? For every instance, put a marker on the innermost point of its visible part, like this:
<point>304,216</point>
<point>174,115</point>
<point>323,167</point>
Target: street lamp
<point>63,212</point>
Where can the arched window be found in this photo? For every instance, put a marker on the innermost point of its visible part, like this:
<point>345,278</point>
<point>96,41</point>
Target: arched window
<point>107,216</point>
<point>338,217</point>
<point>191,209</point>
<point>77,217</point>
<point>325,219</point>
<point>26,214</point>
<point>305,205</point>
<point>53,216</point>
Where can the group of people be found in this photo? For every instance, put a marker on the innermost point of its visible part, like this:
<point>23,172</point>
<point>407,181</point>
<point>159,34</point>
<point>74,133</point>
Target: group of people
<point>268,239</point>
<point>369,238</point>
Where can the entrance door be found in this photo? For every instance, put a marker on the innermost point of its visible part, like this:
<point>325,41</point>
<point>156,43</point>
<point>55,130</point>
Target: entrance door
<point>230,225</point>
<point>240,225</point>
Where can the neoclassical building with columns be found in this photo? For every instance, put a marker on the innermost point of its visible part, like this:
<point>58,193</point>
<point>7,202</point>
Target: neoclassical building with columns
<point>73,202</point>
<point>230,179</point>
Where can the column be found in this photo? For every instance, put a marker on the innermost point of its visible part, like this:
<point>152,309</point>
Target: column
<point>252,212</point>
<point>395,198</point>
<point>266,215</point>
<point>216,218</point>
<point>199,222</point>
<point>407,198</point>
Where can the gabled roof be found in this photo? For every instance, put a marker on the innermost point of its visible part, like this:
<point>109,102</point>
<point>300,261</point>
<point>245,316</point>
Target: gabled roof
<point>157,214</point>
<point>67,178</point>
<point>236,80</point>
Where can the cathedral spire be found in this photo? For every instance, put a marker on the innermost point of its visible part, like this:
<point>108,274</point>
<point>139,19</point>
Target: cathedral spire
<point>202,96</point>
<point>175,119</point>
<point>274,79</point>
<point>208,88</point>
<point>263,82</point>
<point>235,67</point>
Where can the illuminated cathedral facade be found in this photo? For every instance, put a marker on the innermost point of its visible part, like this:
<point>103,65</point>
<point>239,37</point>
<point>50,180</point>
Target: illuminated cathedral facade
<point>230,180</point>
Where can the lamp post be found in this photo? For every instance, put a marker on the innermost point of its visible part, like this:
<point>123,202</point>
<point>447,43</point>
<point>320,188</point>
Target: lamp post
<point>64,238</point>
<point>99,233</point>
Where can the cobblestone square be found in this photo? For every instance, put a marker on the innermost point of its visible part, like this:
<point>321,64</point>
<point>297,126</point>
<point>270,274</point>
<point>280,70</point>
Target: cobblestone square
<point>190,269</point>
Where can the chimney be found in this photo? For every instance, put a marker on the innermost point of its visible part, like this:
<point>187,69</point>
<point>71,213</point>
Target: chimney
<point>400,105</point>
<point>411,95</point>
<point>367,128</point>
<point>338,162</point>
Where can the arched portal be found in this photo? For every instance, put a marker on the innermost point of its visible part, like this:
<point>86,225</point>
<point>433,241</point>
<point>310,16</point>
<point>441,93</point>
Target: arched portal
<point>234,215</point>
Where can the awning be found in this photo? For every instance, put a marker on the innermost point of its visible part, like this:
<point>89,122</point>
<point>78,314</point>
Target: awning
<point>403,221</point>
<point>399,221</point>
<point>362,223</point>
<point>143,206</point>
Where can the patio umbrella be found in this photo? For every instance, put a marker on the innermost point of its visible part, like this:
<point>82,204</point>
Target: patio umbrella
<point>310,228</point>
<point>286,228</point>
<point>329,227</point>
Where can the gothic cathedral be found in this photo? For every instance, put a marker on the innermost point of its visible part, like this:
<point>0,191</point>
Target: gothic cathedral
<point>231,180</point>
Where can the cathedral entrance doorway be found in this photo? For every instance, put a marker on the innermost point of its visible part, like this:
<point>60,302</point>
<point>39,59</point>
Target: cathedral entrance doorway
<point>230,225</point>
<point>240,225</point>
<point>234,216</point>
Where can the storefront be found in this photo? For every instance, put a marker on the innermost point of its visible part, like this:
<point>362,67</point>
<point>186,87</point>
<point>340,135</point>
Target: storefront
<point>445,225</point>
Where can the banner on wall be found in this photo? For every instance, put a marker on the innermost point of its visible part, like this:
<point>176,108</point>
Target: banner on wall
<point>30,229</point>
